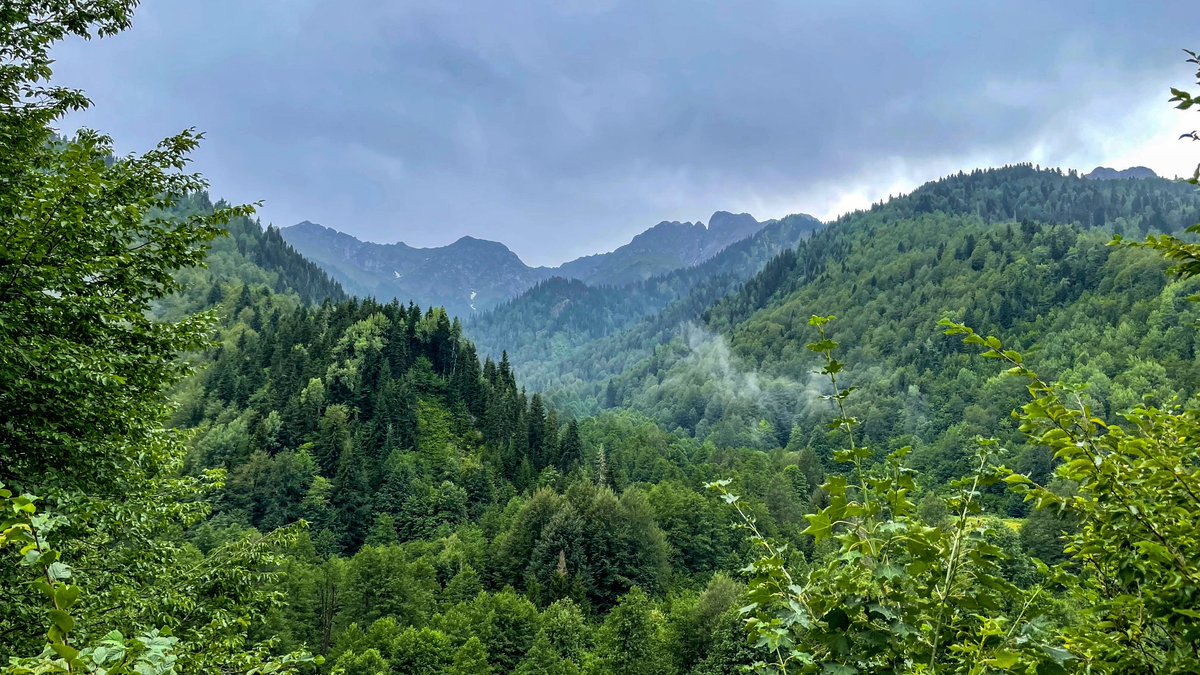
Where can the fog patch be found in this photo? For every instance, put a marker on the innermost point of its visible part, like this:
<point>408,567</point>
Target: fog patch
<point>712,392</point>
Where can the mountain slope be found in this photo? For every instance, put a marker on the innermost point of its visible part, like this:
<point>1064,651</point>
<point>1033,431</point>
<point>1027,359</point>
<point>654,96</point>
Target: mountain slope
<point>473,275</point>
<point>250,256</point>
<point>1013,252</point>
<point>665,247</point>
<point>462,276</point>
<point>552,332</point>
<point>439,494</point>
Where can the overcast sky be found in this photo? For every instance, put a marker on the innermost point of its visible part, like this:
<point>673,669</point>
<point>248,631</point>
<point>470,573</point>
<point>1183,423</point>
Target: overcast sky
<point>565,127</point>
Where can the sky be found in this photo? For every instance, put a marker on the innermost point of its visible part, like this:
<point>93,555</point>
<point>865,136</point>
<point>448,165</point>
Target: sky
<point>565,127</point>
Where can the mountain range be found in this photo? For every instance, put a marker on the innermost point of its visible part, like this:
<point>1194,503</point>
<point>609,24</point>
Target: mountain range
<point>472,275</point>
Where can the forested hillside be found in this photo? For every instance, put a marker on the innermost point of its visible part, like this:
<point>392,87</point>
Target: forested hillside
<point>213,461</point>
<point>246,255</point>
<point>1014,250</point>
<point>564,336</point>
<point>379,426</point>
<point>591,349</point>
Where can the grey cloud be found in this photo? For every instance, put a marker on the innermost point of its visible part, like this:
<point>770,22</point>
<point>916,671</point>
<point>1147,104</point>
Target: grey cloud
<point>565,128</point>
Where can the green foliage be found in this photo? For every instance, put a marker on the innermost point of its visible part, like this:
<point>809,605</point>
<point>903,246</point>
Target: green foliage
<point>891,593</point>
<point>224,579</point>
<point>352,477</point>
<point>91,244</point>
<point>83,368</point>
<point>22,526</point>
<point>1046,278</point>
<point>415,466</point>
<point>369,662</point>
<point>420,651</point>
<point>694,622</point>
<point>544,660</point>
<point>471,659</point>
<point>607,543</point>
<point>632,638</point>
<point>566,630</point>
<point>1136,506</point>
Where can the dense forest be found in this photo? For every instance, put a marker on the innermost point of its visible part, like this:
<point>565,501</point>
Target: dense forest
<point>1088,313</point>
<point>212,460</point>
<point>592,348</point>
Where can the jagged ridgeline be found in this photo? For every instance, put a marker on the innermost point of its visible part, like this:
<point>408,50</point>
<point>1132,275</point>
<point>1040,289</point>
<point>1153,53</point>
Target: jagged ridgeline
<point>473,275</point>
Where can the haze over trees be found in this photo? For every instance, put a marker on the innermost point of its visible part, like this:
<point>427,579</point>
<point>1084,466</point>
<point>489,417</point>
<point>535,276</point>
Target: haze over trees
<point>213,459</point>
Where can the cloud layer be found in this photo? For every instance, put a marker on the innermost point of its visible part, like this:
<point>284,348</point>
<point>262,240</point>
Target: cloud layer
<point>563,128</point>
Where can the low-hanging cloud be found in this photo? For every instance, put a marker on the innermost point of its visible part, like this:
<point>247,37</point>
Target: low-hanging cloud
<point>704,387</point>
<point>708,382</point>
<point>564,128</point>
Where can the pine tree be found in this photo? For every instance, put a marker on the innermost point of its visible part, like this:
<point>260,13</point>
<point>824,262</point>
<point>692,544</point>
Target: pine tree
<point>601,477</point>
<point>382,532</point>
<point>536,432</point>
<point>369,662</point>
<point>352,511</point>
<point>462,587</point>
<point>564,625</point>
<point>571,454</point>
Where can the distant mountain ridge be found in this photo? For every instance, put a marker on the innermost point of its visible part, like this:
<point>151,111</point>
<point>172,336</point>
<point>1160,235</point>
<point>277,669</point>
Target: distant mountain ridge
<point>667,246</point>
<point>472,275</point>
<point>1132,173</point>
<point>462,276</point>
